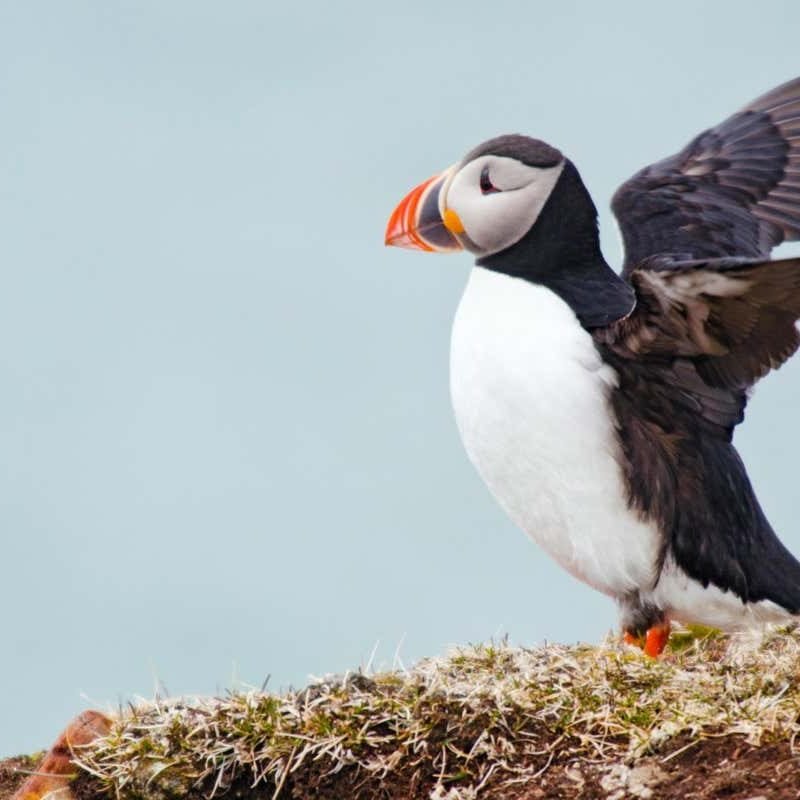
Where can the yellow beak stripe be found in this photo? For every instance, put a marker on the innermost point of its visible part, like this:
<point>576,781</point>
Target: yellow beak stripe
<point>452,221</point>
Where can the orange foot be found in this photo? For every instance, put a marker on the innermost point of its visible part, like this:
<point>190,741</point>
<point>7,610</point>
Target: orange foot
<point>56,771</point>
<point>653,642</point>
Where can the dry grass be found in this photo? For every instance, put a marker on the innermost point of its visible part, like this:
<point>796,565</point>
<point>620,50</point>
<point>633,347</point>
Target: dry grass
<point>489,715</point>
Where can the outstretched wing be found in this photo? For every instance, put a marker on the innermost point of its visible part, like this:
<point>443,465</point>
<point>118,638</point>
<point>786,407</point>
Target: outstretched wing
<point>710,330</point>
<point>700,335</point>
<point>734,190</point>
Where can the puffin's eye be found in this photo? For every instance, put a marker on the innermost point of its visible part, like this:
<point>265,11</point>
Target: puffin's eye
<point>487,187</point>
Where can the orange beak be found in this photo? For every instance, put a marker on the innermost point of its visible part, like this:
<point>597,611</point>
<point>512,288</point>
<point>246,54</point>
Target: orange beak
<point>417,223</point>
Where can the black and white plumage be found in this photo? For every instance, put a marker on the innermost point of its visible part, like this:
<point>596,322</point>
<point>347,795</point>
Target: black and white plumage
<point>599,408</point>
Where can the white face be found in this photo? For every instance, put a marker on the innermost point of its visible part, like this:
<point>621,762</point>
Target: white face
<point>497,199</point>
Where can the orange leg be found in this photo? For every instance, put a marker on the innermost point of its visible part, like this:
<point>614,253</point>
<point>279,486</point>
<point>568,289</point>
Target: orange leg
<point>632,639</point>
<point>653,642</point>
<point>56,771</point>
<point>656,639</point>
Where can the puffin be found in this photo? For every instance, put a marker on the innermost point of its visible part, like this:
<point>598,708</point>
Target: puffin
<point>599,406</point>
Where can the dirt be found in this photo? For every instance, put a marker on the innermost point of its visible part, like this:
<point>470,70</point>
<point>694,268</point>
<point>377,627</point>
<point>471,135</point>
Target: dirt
<point>714,768</point>
<point>726,768</point>
<point>14,770</point>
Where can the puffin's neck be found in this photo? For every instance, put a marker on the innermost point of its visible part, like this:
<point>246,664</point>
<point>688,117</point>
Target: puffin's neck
<point>562,252</point>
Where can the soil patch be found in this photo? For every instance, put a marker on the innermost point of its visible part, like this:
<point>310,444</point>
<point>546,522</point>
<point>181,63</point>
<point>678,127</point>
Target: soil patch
<point>726,768</point>
<point>13,772</point>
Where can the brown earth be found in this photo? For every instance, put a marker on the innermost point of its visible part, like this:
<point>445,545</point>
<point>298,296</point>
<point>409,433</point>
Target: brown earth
<point>14,770</point>
<point>487,721</point>
<point>726,767</point>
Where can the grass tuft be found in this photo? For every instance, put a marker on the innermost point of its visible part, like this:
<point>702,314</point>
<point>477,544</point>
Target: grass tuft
<point>485,715</point>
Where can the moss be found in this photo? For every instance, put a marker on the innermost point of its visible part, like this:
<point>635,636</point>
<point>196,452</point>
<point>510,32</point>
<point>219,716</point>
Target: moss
<point>682,640</point>
<point>485,711</point>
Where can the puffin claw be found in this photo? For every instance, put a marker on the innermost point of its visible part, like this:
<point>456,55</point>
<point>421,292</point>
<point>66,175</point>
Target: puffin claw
<point>656,639</point>
<point>653,642</point>
<point>633,640</point>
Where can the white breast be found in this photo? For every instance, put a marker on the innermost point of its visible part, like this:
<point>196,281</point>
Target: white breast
<point>530,394</point>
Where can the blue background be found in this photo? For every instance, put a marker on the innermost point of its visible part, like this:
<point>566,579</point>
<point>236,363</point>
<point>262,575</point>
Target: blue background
<point>226,446</point>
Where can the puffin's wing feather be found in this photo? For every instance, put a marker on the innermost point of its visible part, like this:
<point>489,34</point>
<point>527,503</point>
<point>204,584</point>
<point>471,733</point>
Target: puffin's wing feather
<point>700,335</point>
<point>734,190</point>
<point>734,319</point>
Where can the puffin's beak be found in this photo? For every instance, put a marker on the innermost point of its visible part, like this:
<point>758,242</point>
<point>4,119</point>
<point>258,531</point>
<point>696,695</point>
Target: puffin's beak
<point>417,223</point>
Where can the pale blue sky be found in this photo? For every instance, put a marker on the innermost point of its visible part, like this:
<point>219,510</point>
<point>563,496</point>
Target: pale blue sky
<point>226,446</point>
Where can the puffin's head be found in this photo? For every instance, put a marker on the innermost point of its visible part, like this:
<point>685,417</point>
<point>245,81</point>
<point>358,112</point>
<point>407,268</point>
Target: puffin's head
<point>485,203</point>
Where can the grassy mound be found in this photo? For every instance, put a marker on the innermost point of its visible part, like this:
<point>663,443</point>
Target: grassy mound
<point>484,721</point>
